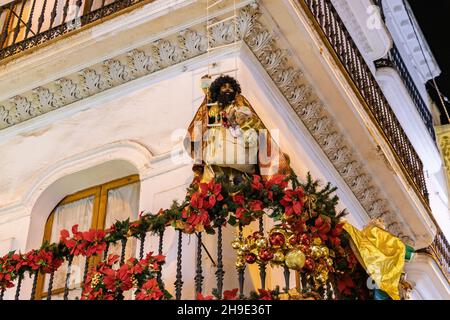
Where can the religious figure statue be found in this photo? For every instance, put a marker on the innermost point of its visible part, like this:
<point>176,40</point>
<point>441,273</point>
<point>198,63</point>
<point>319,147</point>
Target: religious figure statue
<point>228,138</point>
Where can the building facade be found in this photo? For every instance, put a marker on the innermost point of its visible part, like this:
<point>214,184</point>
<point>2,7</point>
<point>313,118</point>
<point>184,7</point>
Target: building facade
<point>96,96</point>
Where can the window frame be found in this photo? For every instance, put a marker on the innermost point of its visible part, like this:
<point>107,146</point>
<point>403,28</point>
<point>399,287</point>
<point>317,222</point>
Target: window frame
<point>99,210</point>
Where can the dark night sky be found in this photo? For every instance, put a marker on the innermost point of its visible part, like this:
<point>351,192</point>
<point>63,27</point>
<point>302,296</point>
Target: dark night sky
<point>434,20</point>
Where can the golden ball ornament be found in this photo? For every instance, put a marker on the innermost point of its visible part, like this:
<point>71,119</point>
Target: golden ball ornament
<point>278,257</point>
<point>261,242</point>
<point>317,241</point>
<point>240,263</point>
<point>315,252</point>
<point>324,251</point>
<point>295,259</point>
<point>236,244</point>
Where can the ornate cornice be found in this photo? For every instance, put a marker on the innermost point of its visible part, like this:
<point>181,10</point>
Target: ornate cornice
<point>190,43</point>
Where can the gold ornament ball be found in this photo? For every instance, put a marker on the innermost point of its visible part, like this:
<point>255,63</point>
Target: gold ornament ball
<point>324,251</point>
<point>315,252</point>
<point>240,263</point>
<point>278,257</point>
<point>245,247</point>
<point>317,241</point>
<point>261,242</point>
<point>295,259</point>
<point>236,244</point>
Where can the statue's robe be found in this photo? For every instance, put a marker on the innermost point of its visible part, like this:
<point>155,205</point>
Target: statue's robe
<point>265,158</point>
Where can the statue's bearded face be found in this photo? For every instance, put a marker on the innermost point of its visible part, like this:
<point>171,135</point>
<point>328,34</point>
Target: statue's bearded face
<point>227,94</point>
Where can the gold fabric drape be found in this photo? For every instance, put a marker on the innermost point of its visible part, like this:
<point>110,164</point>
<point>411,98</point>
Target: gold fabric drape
<point>381,254</point>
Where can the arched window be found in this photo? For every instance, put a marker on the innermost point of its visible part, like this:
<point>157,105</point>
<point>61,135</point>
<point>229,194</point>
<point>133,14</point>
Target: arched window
<point>98,208</point>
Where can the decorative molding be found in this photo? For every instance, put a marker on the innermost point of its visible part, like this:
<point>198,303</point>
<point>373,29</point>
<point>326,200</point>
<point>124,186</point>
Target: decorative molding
<point>286,74</point>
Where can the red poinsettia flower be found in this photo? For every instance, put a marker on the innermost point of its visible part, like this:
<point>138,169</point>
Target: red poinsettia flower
<point>256,205</point>
<point>335,235</point>
<point>345,284</point>
<point>293,202</point>
<point>277,180</point>
<point>95,244</point>
<point>230,294</point>
<point>150,291</point>
<point>322,225</point>
<point>238,199</point>
<point>257,183</point>
<point>202,297</point>
<point>265,295</point>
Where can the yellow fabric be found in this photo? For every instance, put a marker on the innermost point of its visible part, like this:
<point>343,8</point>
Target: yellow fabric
<point>381,254</point>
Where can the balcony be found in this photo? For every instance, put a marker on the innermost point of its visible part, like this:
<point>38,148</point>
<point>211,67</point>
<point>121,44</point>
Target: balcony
<point>395,60</point>
<point>341,44</point>
<point>353,63</point>
<point>27,24</point>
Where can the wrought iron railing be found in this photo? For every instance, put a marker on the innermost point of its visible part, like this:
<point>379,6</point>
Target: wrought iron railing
<point>440,249</point>
<point>304,282</point>
<point>25,24</point>
<point>338,37</point>
<point>395,60</point>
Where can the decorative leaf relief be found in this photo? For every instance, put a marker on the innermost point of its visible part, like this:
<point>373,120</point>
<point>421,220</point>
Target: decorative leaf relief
<point>115,72</point>
<point>5,118</point>
<point>91,82</point>
<point>67,91</point>
<point>246,21</point>
<point>192,43</point>
<point>23,107</point>
<point>44,98</point>
<point>167,53</point>
<point>222,33</point>
<point>141,63</point>
<point>260,42</point>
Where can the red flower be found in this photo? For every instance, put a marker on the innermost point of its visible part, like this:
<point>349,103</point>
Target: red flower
<point>256,205</point>
<point>256,183</point>
<point>322,225</point>
<point>230,294</point>
<point>94,242</point>
<point>265,295</point>
<point>150,291</point>
<point>238,199</point>
<point>293,202</point>
<point>202,297</point>
<point>345,284</point>
<point>277,180</point>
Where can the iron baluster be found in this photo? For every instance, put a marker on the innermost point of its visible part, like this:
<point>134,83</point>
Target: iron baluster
<point>160,251</point>
<point>41,17</point>
<point>262,265</point>
<point>19,285</point>
<point>241,270</point>
<point>142,243</point>
<point>287,274</point>
<point>30,20</point>
<point>33,289</point>
<point>179,281</point>
<point>86,268</point>
<point>67,282</point>
<point>6,30</point>
<point>199,271</point>
<point>50,285</point>
<point>19,21</point>
<point>53,14</point>
<point>2,293</point>
<point>66,8</point>
<point>123,243</point>
<point>219,272</point>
